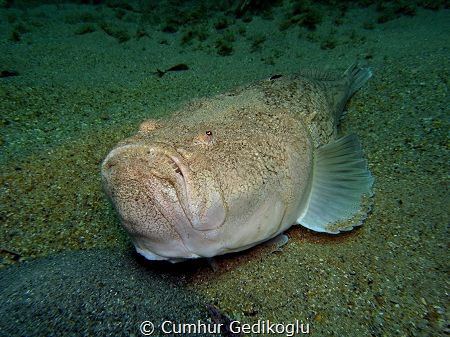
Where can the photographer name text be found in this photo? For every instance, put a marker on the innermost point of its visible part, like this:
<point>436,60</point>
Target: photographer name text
<point>236,327</point>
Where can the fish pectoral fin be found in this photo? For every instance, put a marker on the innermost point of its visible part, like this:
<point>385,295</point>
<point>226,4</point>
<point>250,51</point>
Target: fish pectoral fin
<point>341,189</point>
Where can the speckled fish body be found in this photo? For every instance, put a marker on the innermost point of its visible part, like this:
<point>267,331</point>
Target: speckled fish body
<point>225,173</point>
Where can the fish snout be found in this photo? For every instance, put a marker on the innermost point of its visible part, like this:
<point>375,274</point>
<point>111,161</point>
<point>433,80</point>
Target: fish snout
<point>145,187</point>
<point>143,170</point>
<point>165,207</point>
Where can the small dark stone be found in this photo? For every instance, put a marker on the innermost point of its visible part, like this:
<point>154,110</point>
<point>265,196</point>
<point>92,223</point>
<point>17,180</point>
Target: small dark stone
<point>178,67</point>
<point>7,73</point>
<point>274,77</point>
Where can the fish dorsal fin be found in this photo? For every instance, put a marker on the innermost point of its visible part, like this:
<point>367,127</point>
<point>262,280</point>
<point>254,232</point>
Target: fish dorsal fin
<point>339,87</point>
<point>341,188</point>
<point>320,74</point>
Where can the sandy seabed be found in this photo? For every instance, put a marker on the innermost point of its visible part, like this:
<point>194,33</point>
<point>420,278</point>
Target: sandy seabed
<point>81,88</point>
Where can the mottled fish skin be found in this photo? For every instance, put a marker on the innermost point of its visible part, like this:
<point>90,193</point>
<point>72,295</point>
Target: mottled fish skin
<point>225,173</point>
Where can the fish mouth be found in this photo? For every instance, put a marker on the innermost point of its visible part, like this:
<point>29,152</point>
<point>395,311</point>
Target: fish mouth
<point>157,160</point>
<point>171,168</point>
<point>198,196</point>
<point>199,206</point>
<point>195,198</point>
<point>155,155</point>
<point>164,204</point>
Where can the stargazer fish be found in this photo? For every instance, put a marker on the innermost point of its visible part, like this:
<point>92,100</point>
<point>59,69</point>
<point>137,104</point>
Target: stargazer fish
<point>225,173</point>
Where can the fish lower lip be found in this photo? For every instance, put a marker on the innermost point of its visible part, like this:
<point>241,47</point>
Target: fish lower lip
<point>172,168</point>
<point>179,184</point>
<point>180,167</point>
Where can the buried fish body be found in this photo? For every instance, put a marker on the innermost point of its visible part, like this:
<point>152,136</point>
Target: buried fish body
<point>225,173</point>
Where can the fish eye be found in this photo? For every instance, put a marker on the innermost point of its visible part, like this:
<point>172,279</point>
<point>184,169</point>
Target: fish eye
<point>204,138</point>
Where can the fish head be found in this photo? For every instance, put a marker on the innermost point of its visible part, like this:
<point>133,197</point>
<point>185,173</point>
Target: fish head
<point>190,189</point>
<point>167,196</point>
